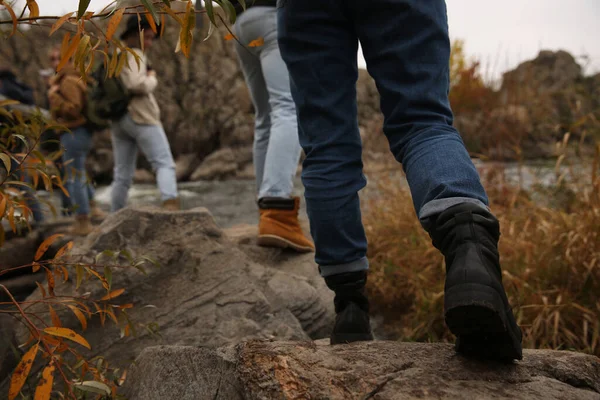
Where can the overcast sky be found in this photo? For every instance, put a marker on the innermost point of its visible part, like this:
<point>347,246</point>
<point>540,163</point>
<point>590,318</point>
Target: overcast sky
<point>499,33</point>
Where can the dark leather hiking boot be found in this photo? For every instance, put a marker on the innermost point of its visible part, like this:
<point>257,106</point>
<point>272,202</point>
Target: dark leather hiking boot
<point>352,322</point>
<point>475,304</point>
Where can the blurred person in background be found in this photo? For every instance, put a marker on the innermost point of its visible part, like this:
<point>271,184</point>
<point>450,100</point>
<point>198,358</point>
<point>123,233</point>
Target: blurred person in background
<point>50,143</point>
<point>276,149</point>
<point>67,98</point>
<point>141,127</point>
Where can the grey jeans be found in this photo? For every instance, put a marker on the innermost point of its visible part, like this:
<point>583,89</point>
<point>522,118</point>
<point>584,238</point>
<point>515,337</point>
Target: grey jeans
<point>127,136</point>
<point>276,145</point>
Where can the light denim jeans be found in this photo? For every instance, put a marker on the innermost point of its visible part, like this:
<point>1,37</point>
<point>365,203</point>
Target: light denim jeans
<point>77,144</point>
<point>407,49</point>
<point>127,136</point>
<point>276,145</point>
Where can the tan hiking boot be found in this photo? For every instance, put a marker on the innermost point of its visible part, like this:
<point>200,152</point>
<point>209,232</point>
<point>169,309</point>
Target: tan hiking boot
<point>279,225</point>
<point>96,212</point>
<point>172,204</point>
<point>82,226</point>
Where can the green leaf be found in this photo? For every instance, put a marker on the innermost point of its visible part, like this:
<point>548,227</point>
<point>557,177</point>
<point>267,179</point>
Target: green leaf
<point>243,3</point>
<point>229,10</point>
<point>22,138</point>
<point>79,270</point>
<point>40,157</point>
<point>151,261</point>
<point>138,266</point>
<point>107,253</point>
<point>210,11</point>
<point>127,255</point>
<point>93,387</point>
<point>108,276</point>
<point>83,6</point>
<point>150,7</point>
<point>6,160</point>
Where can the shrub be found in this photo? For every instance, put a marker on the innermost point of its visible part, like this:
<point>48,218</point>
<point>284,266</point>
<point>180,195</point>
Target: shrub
<point>550,257</point>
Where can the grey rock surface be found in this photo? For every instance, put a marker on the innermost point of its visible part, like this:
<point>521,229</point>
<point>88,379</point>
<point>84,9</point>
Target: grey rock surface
<point>376,370</point>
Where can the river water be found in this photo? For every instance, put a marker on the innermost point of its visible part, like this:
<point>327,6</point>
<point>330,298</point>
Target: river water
<point>233,202</point>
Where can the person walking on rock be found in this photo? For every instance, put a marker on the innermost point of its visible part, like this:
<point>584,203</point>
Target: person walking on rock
<point>407,49</point>
<point>49,139</point>
<point>67,97</point>
<point>276,147</point>
<point>141,126</point>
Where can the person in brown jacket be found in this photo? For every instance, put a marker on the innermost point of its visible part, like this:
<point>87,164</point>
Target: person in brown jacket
<point>67,96</point>
<point>49,146</point>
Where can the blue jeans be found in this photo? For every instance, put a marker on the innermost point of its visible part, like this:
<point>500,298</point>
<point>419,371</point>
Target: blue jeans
<point>67,202</point>
<point>276,146</point>
<point>407,49</point>
<point>77,144</point>
<point>127,135</point>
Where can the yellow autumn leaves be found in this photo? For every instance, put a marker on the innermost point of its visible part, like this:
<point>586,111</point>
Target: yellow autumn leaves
<point>21,373</point>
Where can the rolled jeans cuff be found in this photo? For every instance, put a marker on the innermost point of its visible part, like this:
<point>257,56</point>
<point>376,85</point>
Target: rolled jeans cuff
<point>354,266</point>
<point>433,208</point>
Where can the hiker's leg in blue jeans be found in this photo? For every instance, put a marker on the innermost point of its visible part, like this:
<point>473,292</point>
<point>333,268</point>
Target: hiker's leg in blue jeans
<point>276,145</point>
<point>319,46</point>
<point>153,143</point>
<point>125,154</point>
<point>66,202</point>
<point>284,149</point>
<point>407,49</point>
<point>253,75</point>
<point>90,189</point>
<point>77,145</point>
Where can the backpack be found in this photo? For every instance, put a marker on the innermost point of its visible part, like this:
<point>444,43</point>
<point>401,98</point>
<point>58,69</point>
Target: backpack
<point>13,89</point>
<point>107,100</point>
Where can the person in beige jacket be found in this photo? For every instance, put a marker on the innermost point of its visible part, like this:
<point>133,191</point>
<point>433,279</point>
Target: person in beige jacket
<point>141,126</point>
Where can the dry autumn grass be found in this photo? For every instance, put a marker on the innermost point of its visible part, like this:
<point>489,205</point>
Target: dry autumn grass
<point>550,257</point>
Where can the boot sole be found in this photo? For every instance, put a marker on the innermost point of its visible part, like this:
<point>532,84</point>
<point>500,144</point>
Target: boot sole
<point>279,242</point>
<point>478,317</point>
<point>344,338</point>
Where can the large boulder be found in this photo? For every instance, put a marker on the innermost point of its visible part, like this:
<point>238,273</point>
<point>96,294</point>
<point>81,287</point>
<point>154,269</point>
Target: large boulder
<point>207,291</point>
<point>554,96</point>
<point>548,72</point>
<point>223,163</point>
<point>185,166</point>
<point>9,350</point>
<point>309,299</point>
<point>375,370</point>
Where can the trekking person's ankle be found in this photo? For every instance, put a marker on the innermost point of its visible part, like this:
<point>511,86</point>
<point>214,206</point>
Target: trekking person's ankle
<point>476,307</point>
<point>279,225</point>
<point>352,323</point>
